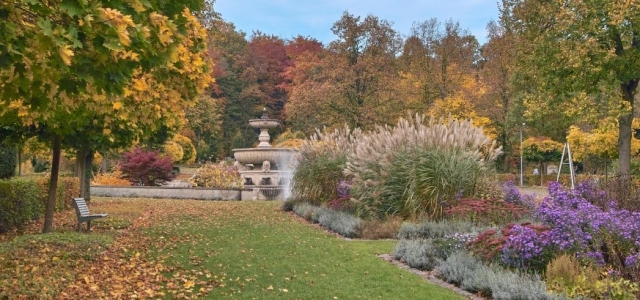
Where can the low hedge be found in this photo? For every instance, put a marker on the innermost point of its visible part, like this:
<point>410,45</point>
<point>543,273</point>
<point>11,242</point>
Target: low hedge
<point>19,203</point>
<point>68,187</point>
<point>535,180</point>
<point>24,199</point>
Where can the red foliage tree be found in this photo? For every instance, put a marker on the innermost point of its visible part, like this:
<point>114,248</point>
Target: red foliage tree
<point>146,168</point>
<point>262,62</point>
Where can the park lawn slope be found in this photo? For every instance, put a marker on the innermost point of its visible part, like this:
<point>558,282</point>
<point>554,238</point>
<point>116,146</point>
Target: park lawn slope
<point>172,249</point>
<point>253,250</point>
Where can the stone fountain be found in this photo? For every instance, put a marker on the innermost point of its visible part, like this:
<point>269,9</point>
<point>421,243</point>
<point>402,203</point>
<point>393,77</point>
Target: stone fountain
<point>267,171</point>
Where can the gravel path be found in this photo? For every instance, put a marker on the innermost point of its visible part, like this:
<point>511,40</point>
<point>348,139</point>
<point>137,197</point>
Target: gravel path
<point>539,191</point>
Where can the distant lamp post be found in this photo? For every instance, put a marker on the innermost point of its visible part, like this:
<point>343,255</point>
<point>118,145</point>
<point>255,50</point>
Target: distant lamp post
<point>521,161</point>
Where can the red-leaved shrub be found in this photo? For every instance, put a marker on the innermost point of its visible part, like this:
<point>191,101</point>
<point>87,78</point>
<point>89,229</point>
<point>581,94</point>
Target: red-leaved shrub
<point>488,245</point>
<point>485,211</point>
<point>146,168</point>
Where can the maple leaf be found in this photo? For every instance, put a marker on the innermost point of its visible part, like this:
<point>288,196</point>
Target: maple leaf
<point>189,284</point>
<point>65,53</point>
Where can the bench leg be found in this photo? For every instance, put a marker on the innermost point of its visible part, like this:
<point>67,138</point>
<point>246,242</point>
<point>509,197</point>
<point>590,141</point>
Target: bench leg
<point>88,225</point>
<point>79,226</point>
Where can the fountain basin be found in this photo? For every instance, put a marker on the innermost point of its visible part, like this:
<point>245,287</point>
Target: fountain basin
<point>264,123</point>
<point>255,156</point>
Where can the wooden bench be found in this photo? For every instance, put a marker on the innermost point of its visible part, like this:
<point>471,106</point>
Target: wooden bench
<point>82,211</point>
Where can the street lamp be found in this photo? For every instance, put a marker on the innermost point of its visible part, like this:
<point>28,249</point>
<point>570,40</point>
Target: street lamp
<point>521,163</point>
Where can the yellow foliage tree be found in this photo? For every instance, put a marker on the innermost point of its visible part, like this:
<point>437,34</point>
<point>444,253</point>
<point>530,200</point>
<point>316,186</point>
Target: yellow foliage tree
<point>173,150</point>
<point>188,149</point>
<point>458,107</point>
<point>601,141</point>
<point>98,73</point>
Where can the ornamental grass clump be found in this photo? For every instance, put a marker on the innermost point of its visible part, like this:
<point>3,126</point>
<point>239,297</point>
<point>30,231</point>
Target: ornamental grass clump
<point>416,167</point>
<point>320,162</point>
<point>217,176</point>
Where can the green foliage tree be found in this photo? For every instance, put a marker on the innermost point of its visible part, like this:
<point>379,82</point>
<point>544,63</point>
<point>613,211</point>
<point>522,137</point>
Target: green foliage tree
<point>225,44</point>
<point>204,129</point>
<point>581,58</point>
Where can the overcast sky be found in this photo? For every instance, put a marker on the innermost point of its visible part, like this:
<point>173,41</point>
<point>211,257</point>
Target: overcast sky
<point>314,18</point>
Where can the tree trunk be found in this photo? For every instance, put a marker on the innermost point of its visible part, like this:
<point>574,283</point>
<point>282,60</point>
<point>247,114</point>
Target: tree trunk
<point>53,186</point>
<point>625,129</point>
<point>104,164</point>
<point>86,191</point>
<point>19,160</point>
<point>624,144</point>
<point>606,169</point>
<point>84,158</point>
<point>79,168</point>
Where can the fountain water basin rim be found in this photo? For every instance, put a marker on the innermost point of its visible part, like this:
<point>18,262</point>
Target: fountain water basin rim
<point>264,123</point>
<point>258,155</point>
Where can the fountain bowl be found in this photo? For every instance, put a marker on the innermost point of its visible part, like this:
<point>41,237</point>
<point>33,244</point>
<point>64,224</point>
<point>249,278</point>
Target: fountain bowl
<point>258,155</point>
<point>264,123</point>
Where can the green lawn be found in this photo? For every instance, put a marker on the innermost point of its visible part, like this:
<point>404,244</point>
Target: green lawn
<point>206,250</point>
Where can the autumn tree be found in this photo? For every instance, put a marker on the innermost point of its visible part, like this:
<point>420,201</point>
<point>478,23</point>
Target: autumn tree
<point>441,58</point>
<point>595,145</point>
<point>127,65</point>
<point>263,62</point>
<point>306,74</point>
<point>224,46</point>
<point>498,103</point>
<point>581,57</point>
<point>459,105</point>
<point>353,82</point>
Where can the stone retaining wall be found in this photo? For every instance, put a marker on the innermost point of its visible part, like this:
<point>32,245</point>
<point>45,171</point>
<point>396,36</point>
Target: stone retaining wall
<point>171,192</point>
